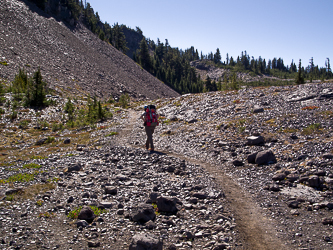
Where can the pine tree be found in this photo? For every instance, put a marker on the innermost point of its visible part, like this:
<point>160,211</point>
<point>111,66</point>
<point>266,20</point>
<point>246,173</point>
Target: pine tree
<point>35,93</point>
<point>119,39</point>
<point>299,79</point>
<point>143,55</point>
<point>217,56</point>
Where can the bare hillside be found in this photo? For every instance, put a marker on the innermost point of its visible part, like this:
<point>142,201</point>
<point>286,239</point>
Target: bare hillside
<point>71,59</point>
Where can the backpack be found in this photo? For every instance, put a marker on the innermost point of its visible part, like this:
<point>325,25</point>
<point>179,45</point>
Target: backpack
<point>151,117</point>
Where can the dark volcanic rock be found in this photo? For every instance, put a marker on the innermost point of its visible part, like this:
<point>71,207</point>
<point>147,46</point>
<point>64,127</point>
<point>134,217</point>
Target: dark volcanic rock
<point>143,213</point>
<point>167,205</point>
<point>86,214</point>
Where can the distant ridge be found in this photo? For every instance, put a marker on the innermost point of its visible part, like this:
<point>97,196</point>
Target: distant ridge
<point>72,59</point>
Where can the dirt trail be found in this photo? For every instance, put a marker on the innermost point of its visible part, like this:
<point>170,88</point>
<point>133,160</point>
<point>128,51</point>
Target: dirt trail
<point>255,230</point>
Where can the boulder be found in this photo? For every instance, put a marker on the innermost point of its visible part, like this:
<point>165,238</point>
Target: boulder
<point>74,167</point>
<point>257,109</point>
<point>251,158</point>
<point>41,141</point>
<point>314,181</point>
<point>167,205</point>
<point>265,157</point>
<point>237,163</point>
<point>255,140</point>
<point>146,242</point>
<point>111,190</point>
<point>67,141</point>
<point>86,214</point>
<point>143,213</point>
<point>279,177</point>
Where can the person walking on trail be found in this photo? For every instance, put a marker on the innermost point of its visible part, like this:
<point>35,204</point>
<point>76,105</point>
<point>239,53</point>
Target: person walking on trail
<point>150,119</point>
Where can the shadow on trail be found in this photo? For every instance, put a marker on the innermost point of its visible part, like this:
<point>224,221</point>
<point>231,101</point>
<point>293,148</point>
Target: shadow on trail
<point>157,152</point>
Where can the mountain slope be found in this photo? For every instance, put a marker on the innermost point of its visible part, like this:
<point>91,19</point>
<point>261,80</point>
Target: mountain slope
<point>71,58</point>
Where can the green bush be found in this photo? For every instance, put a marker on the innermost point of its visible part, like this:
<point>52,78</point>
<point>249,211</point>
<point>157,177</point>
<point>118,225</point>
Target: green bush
<point>31,165</point>
<point>50,139</point>
<point>75,213</point>
<point>313,128</point>
<point>124,100</point>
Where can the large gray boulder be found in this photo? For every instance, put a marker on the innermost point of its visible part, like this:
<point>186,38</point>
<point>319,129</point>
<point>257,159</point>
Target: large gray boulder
<point>145,242</point>
<point>143,212</point>
<point>265,157</point>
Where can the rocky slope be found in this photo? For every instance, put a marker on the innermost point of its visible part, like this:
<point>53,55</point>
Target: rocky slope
<point>232,170</point>
<point>72,59</point>
<point>205,68</point>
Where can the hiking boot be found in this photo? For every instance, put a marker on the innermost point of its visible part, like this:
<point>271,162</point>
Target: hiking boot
<point>151,150</point>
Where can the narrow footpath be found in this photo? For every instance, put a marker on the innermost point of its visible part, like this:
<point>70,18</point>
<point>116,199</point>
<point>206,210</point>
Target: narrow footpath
<point>254,229</point>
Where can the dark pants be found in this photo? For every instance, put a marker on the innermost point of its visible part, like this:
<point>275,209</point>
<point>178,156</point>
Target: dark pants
<point>149,132</point>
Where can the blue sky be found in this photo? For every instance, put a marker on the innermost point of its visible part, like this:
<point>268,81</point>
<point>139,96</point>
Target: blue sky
<point>290,29</point>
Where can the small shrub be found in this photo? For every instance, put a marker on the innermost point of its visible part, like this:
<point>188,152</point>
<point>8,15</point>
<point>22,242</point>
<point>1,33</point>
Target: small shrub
<point>31,165</point>
<point>24,123</point>
<point>38,157</point>
<point>289,130</point>
<point>10,197</point>
<point>177,104</point>
<point>75,213</point>
<point>313,128</point>
<point>19,177</point>
<point>13,115</point>
<point>2,99</point>
<point>112,133</point>
<point>39,203</point>
<point>124,100</point>
<point>50,139</point>
<point>46,215</point>
<point>57,127</point>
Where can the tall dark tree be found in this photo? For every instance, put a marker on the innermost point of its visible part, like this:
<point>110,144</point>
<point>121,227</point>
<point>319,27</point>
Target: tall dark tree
<point>35,93</point>
<point>299,79</point>
<point>143,55</point>
<point>119,39</point>
<point>217,56</point>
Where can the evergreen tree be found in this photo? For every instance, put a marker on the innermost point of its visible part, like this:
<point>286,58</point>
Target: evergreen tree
<point>35,93</point>
<point>217,56</point>
<point>299,79</point>
<point>118,38</point>
<point>328,66</point>
<point>234,82</point>
<point>143,55</point>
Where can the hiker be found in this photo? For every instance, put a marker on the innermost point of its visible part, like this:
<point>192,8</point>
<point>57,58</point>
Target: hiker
<point>150,119</point>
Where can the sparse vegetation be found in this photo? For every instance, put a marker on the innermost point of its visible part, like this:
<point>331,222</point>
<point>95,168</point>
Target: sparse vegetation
<point>313,128</point>
<point>124,100</point>
<point>112,133</point>
<point>75,212</point>
<point>32,165</point>
<point>26,177</point>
